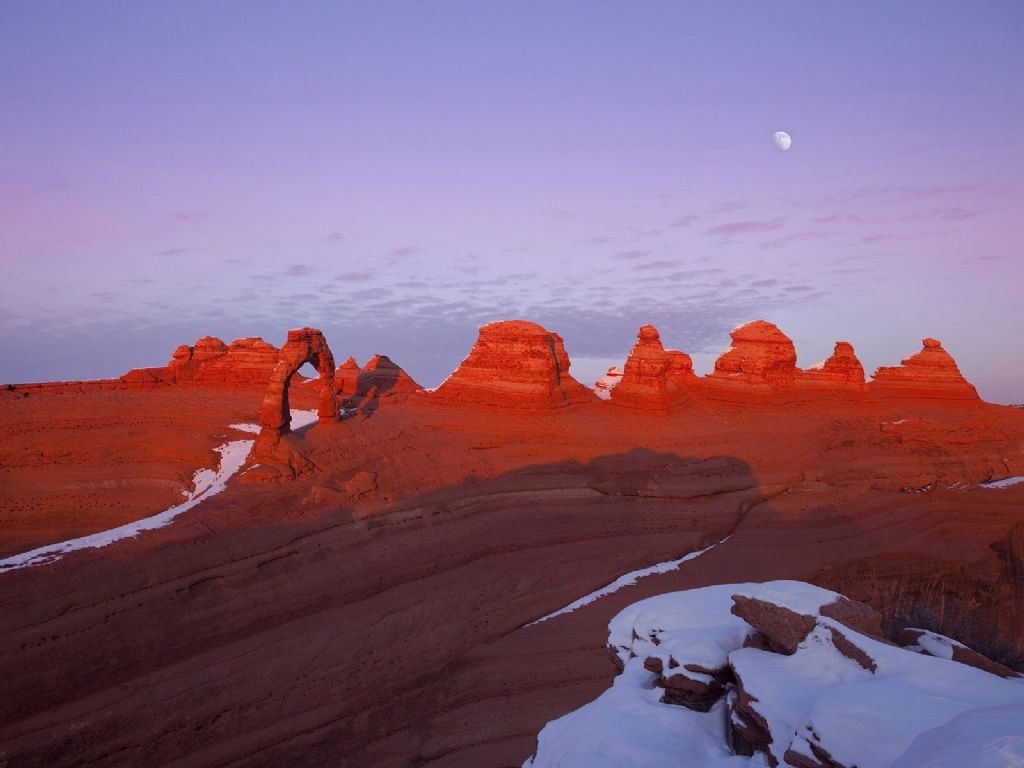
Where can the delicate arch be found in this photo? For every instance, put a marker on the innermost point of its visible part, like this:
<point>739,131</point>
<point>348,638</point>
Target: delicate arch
<point>304,345</point>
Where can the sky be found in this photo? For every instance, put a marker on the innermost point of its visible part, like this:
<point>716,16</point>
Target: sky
<point>399,173</point>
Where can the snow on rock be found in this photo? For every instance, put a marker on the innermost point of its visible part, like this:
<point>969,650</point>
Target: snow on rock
<point>205,482</point>
<point>988,737</point>
<point>626,580</point>
<point>837,698</point>
<point>302,419</point>
<point>603,387</point>
<point>1004,483</point>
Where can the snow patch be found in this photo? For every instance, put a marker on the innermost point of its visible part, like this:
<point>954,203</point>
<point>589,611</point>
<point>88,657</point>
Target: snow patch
<point>206,483</point>
<point>626,580</point>
<point>912,711</point>
<point>1006,482</point>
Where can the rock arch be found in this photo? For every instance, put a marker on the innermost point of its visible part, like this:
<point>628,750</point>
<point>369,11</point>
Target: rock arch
<point>304,345</point>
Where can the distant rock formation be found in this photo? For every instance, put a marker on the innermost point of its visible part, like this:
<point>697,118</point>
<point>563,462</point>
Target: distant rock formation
<point>346,378</point>
<point>931,373</point>
<point>760,353</point>
<point>246,362</point>
<point>603,387</point>
<point>514,364</point>
<point>842,373</point>
<point>380,380</point>
<point>304,345</point>
<point>654,377</point>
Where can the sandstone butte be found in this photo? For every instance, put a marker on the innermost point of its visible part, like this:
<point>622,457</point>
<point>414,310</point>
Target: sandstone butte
<point>375,609</point>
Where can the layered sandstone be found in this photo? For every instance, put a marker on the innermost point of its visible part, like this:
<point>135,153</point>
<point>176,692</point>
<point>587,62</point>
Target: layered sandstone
<point>514,364</point>
<point>760,354</point>
<point>931,373</point>
<point>380,380</point>
<point>246,362</point>
<point>654,377</point>
<point>304,345</point>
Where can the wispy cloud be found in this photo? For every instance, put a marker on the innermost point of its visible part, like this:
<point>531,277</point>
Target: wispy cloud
<point>746,227</point>
<point>796,237</point>
<point>685,221</point>
<point>354,277</point>
<point>172,252</point>
<point>334,238</point>
<point>299,270</point>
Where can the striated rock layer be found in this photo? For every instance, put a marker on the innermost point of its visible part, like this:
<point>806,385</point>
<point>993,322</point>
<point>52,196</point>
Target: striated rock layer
<point>930,373</point>
<point>760,353</point>
<point>515,364</point>
<point>246,362</point>
<point>381,380</point>
<point>654,377</point>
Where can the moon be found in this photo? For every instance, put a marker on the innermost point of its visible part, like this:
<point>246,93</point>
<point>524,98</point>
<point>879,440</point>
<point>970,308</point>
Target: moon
<point>783,140</point>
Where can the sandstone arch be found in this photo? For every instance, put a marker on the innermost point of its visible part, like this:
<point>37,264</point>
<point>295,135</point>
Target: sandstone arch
<point>304,345</point>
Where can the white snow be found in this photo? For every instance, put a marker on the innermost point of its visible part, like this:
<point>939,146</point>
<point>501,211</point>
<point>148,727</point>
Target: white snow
<point>206,483</point>
<point>1006,482</point>
<point>626,580</point>
<point>251,428</point>
<point>603,386</point>
<point>934,644</point>
<point>913,711</point>
<point>302,419</point>
<point>988,737</point>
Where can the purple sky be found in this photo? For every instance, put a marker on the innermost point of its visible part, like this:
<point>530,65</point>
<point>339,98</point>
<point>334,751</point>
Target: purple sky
<point>400,173</point>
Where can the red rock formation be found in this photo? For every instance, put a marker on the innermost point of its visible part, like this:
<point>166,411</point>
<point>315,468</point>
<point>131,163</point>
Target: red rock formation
<point>842,368</point>
<point>304,345</point>
<point>514,364</point>
<point>247,362</point>
<point>346,378</point>
<point>654,377</point>
<point>760,353</point>
<point>210,361</point>
<point>931,373</point>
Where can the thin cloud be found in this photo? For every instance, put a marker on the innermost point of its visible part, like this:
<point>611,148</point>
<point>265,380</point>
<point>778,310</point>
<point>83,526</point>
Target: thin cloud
<point>172,252</point>
<point>354,277</point>
<point>299,270</point>
<point>685,221</point>
<point>334,238</point>
<point>746,227</point>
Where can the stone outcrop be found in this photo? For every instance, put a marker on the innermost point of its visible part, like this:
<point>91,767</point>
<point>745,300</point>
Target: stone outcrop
<point>931,373</point>
<point>246,362</point>
<point>842,369</point>
<point>654,377</point>
<point>304,345</point>
<point>514,364</point>
<point>346,378</point>
<point>380,380</point>
<point>783,628</point>
<point>760,352</point>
